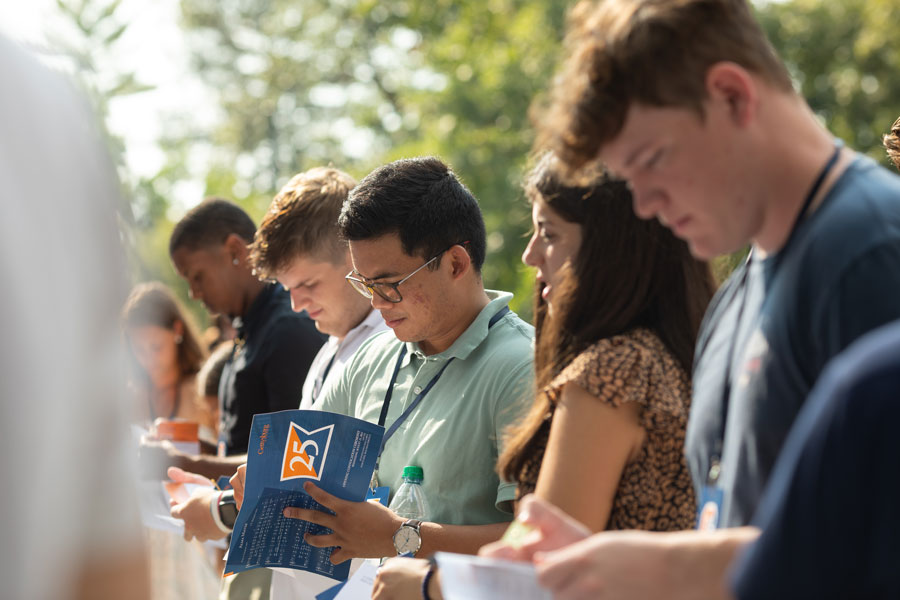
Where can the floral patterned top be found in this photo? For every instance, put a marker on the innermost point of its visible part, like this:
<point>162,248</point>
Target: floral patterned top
<point>655,491</point>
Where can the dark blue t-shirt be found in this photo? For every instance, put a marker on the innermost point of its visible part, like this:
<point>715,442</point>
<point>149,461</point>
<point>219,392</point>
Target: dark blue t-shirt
<point>831,513</point>
<point>838,279</point>
<point>274,350</point>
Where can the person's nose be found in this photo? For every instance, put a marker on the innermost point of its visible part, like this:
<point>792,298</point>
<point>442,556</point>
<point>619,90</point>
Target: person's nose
<point>299,299</point>
<point>646,201</point>
<point>531,256</point>
<point>379,303</point>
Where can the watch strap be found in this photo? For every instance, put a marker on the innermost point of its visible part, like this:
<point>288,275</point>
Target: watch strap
<point>414,523</point>
<point>214,513</point>
<point>228,509</point>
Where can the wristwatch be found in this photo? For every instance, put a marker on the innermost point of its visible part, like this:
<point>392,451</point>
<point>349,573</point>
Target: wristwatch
<point>228,509</point>
<point>407,539</point>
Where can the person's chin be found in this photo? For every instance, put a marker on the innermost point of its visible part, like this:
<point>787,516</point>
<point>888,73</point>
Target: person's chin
<point>403,334</point>
<point>324,327</point>
<point>699,251</point>
<point>704,248</point>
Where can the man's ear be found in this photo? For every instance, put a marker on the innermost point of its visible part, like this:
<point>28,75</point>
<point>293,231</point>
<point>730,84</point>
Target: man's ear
<point>460,261</point>
<point>733,87</point>
<point>236,248</point>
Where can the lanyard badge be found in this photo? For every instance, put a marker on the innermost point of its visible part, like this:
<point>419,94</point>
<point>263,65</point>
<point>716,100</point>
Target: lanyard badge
<point>709,507</point>
<point>378,494</point>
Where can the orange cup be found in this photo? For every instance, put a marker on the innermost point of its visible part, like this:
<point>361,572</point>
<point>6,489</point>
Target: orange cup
<point>178,430</point>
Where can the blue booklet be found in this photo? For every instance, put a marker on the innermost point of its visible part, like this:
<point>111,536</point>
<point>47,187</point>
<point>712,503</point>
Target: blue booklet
<point>288,448</point>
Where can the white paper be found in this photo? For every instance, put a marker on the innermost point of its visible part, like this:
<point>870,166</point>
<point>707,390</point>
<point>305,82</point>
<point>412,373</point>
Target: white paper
<point>154,503</point>
<point>303,585</point>
<point>466,577</point>
<point>154,507</point>
<point>192,448</point>
<point>359,586</point>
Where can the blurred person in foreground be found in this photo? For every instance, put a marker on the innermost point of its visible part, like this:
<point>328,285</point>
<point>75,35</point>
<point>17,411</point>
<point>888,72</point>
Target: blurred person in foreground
<point>62,419</point>
<point>839,459</point>
<point>687,100</point>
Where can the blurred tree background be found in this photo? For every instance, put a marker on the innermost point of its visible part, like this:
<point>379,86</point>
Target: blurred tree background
<point>357,83</point>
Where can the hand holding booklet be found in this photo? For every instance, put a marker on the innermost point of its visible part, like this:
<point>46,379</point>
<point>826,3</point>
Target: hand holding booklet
<point>287,449</point>
<point>465,577</point>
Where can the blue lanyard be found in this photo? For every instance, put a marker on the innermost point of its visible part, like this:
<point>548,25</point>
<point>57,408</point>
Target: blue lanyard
<point>387,396</point>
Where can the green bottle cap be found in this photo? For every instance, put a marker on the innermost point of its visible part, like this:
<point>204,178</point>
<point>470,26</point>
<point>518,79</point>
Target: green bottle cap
<point>413,472</point>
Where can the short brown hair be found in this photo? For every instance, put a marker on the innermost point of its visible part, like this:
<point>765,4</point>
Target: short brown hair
<point>650,52</point>
<point>892,143</point>
<point>302,220</point>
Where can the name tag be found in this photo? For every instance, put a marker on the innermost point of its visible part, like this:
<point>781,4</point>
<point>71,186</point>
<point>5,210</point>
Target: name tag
<point>709,508</point>
<point>379,494</point>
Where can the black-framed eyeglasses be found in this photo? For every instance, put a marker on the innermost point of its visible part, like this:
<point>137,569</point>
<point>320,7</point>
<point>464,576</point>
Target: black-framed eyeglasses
<point>388,291</point>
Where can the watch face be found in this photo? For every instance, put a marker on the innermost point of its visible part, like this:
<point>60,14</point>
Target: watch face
<point>407,539</point>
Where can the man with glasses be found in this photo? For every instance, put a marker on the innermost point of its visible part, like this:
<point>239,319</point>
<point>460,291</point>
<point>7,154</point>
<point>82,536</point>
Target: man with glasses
<point>456,371</point>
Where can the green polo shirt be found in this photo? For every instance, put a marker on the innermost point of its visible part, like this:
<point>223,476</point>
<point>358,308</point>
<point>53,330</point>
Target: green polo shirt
<point>454,434</point>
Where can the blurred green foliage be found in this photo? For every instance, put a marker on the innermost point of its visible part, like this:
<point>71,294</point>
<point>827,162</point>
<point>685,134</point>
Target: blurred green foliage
<point>844,58</point>
<point>357,83</point>
<point>360,83</point>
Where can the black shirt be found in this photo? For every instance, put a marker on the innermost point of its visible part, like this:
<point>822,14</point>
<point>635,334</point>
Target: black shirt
<point>273,351</point>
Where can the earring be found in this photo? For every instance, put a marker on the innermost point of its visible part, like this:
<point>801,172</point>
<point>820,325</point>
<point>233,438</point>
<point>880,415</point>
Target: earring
<point>234,261</point>
<point>178,339</point>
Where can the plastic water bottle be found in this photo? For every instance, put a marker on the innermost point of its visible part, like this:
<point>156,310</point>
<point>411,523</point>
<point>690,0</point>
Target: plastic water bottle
<point>409,502</point>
